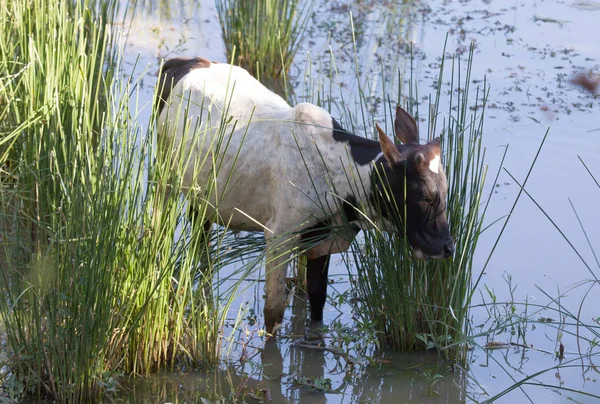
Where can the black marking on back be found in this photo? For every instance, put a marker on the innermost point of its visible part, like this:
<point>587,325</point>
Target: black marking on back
<point>363,150</point>
<point>171,72</point>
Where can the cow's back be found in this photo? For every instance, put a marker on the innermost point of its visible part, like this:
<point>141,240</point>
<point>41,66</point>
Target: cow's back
<point>263,170</point>
<point>220,89</point>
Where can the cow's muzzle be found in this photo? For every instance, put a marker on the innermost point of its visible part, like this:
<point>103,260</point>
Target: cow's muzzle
<point>448,251</point>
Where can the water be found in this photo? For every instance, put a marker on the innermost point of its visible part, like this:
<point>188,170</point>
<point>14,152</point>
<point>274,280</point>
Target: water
<point>527,50</point>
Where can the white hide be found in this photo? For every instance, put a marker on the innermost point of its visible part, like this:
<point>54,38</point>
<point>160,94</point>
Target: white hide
<point>269,183</point>
<point>434,164</point>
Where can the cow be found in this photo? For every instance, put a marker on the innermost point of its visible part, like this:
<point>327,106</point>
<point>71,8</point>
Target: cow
<point>295,174</point>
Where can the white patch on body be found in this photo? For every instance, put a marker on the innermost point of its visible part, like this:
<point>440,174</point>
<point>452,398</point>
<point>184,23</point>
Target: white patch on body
<point>434,164</point>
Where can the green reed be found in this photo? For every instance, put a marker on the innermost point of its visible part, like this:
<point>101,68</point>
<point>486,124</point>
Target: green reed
<point>264,35</point>
<point>101,271</point>
<point>415,304</point>
<point>411,304</point>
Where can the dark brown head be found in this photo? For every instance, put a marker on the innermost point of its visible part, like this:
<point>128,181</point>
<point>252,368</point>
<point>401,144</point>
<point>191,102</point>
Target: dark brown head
<point>415,196</point>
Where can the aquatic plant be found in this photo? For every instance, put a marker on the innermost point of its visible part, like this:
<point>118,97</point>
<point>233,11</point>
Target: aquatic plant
<point>100,272</point>
<point>576,337</point>
<point>411,304</point>
<point>263,36</point>
<point>416,304</point>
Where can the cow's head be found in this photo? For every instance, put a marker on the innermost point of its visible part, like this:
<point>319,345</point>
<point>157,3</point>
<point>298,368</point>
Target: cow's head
<point>417,170</point>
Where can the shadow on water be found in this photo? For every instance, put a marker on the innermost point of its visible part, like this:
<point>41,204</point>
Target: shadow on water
<point>280,86</point>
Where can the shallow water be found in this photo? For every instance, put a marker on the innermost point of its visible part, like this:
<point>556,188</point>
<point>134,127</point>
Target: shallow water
<point>527,50</point>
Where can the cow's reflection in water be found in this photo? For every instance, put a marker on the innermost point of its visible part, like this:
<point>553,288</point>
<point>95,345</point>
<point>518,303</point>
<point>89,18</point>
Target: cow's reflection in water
<point>291,365</point>
<point>272,372</point>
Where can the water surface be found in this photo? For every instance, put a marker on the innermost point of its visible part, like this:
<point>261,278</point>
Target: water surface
<point>527,50</point>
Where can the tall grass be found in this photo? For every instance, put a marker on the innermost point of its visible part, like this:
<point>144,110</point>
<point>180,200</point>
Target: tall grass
<point>100,271</point>
<point>420,305</point>
<point>411,304</point>
<point>263,36</point>
<point>50,226</point>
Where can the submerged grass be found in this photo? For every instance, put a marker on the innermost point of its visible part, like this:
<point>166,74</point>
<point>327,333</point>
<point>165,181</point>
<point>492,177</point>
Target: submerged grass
<point>511,325</point>
<point>100,272</point>
<point>575,337</point>
<point>264,35</point>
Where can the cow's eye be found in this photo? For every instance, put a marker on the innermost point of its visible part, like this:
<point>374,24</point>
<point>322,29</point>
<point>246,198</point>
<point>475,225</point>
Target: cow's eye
<point>433,202</point>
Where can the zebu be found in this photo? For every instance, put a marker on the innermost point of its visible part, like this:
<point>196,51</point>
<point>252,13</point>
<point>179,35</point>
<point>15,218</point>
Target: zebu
<point>287,170</point>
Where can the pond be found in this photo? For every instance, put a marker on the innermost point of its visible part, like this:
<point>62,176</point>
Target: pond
<point>528,51</point>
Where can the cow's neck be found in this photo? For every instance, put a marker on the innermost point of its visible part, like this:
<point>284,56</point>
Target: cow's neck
<point>367,155</point>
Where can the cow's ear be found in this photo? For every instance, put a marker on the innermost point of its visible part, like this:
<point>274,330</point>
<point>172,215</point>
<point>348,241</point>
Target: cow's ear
<point>435,145</point>
<point>405,127</point>
<point>391,153</point>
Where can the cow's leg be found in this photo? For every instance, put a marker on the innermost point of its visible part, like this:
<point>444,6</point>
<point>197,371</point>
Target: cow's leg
<point>278,255</point>
<point>316,274</point>
<point>195,219</point>
<point>203,248</point>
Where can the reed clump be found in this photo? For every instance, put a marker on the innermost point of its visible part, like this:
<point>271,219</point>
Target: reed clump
<point>411,304</point>
<point>414,304</point>
<point>100,272</point>
<point>263,36</point>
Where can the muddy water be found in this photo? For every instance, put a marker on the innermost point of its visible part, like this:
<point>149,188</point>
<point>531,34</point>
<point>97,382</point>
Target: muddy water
<point>527,50</point>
